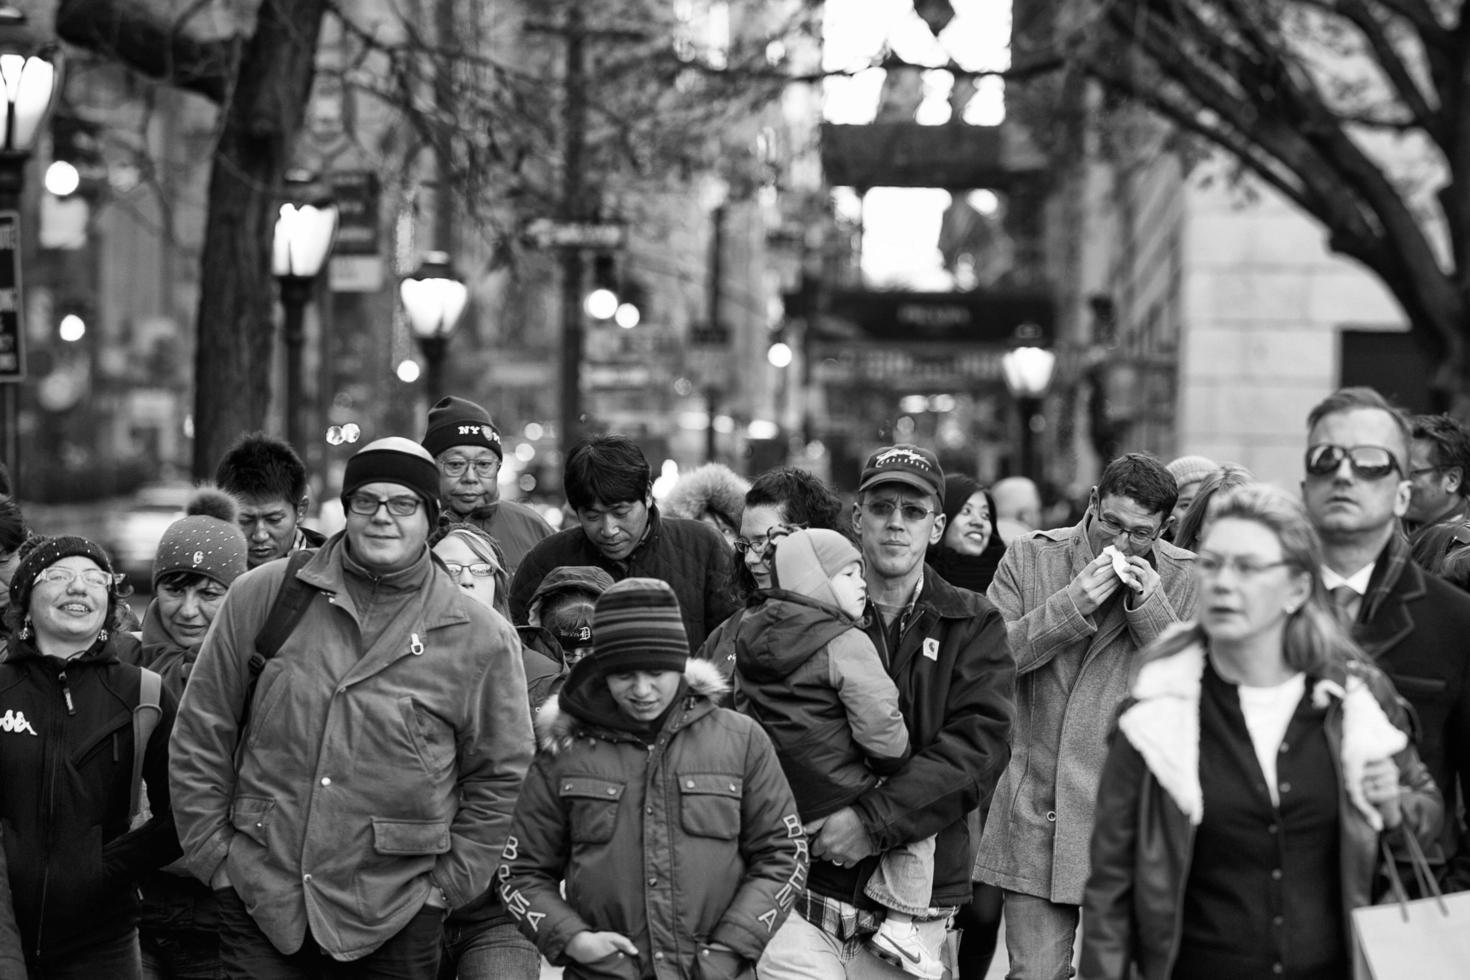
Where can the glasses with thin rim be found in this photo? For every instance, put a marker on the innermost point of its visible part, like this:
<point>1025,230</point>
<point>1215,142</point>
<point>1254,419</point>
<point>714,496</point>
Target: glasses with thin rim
<point>757,545</point>
<point>366,505</point>
<point>1367,462</point>
<point>883,509</point>
<point>455,467</point>
<point>1210,565</point>
<point>94,577</point>
<point>479,569</point>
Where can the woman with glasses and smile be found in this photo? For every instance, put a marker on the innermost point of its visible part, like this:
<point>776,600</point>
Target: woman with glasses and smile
<point>69,691</point>
<point>1258,765</point>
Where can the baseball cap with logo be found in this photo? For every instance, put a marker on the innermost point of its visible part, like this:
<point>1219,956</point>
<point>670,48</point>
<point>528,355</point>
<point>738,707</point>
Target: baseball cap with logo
<point>904,463</point>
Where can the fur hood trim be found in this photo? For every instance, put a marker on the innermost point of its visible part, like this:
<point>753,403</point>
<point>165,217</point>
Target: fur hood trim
<point>556,729</point>
<point>712,487</point>
<point>1163,725</point>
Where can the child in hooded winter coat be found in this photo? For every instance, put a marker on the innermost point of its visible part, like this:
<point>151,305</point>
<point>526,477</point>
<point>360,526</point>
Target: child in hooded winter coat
<point>666,816</point>
<point>816,684</point>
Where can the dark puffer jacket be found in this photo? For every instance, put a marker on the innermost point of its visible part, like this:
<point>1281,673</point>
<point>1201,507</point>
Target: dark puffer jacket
<point>689,555</point>
<point>690,840</point>
<point>65,787</point>
<point>817,687</point>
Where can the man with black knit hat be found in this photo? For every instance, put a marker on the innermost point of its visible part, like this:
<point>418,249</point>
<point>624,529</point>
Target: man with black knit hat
<point>669,816</point>
<point>373,778</point>
<point>466,448</point>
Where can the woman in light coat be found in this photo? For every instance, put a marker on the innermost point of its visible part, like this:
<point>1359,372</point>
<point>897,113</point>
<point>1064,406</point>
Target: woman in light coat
<point>1246,790</point>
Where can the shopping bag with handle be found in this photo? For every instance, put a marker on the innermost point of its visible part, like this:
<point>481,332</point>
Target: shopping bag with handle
<point>1420,939</point>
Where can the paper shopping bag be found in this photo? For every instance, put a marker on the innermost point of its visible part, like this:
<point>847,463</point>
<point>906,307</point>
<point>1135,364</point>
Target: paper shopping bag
<point>1423,939</point>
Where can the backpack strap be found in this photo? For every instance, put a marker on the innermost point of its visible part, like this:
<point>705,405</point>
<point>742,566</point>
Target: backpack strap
<point>290,604</point>
<point>145,720</point>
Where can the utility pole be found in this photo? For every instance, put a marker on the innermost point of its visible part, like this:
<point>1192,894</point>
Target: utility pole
<point>574,135</point>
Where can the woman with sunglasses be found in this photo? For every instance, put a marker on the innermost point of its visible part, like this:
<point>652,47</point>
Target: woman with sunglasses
<point>67,694</point>
<point>778,501</point>
<point>1259,764</point>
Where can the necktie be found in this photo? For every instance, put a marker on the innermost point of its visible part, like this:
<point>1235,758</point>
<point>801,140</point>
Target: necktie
<point>1348,602</point>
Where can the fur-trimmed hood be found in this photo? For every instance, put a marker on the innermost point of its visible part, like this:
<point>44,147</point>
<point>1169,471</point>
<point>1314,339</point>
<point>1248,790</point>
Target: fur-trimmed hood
<point>1163,725</point>
<point>711,488</point>
<point>584,702</point>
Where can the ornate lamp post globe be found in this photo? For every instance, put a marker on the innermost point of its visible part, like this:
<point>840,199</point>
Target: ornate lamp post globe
<point>434,299</point>
<point>1028,369</point>
<point>306,227</point>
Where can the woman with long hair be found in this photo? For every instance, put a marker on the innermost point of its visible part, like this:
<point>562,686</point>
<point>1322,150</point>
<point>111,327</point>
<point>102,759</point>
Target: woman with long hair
<point>1255,769</point>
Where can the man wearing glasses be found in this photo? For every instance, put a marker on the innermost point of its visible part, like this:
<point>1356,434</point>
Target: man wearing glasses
<point>466,447</point>
<point>371,782</point>
<point>945,649</point>
<point>1412,624</point>
<point>1079,604</point>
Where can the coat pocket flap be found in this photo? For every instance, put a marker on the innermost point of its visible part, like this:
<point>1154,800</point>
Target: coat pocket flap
<point>248,815</point>
<point>710,784</point>
<point>410,836</point>
<point>591,788</point>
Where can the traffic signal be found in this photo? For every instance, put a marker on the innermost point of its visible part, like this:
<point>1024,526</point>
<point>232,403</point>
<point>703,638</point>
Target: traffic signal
<point>77,163</point>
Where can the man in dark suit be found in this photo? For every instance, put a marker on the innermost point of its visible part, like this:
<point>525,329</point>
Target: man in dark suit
<point>1412,624</point>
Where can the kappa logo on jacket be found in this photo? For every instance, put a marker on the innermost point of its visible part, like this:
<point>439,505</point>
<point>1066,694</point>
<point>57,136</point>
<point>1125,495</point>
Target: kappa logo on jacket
<point>15,721</point>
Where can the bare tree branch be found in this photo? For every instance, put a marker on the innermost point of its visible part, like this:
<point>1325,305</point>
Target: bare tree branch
<point>161,48</point>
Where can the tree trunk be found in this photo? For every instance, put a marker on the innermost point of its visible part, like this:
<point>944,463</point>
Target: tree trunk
<point>232,360</point>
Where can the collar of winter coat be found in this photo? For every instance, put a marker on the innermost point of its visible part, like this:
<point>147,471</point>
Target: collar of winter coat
<point>156,641</point>
<point>584,706</point>
<point>946,600</point>
<point>1388,568</point>
<point>784,632</point>
<point>1162,723</point>
<point>327,570</point>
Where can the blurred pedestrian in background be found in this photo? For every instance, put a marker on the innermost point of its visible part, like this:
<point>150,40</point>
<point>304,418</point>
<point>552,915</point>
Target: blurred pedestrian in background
<point>1439,481</point>
<point>13,533</point>
<point>1189,472</point>
<point>1192,524</point>
<point>712,493</point>
<point>970,550</point>
<point>1259,761</point>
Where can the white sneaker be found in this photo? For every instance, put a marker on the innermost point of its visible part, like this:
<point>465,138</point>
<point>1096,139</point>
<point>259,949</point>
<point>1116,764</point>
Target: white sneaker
<point>899,943</point>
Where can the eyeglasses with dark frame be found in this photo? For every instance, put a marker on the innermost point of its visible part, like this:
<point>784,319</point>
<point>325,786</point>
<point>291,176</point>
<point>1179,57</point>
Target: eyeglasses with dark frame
<point>366,505</point>
<point>757,546</point>
<point>1366,462</point>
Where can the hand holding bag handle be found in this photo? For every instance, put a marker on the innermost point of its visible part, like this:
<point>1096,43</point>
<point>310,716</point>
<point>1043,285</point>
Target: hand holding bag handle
<point>1412,939</point>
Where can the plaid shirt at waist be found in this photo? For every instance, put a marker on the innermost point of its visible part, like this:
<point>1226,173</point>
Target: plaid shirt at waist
<point>845,922</point>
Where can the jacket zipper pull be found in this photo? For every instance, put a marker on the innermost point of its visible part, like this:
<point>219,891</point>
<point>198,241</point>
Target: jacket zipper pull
<point>66,693</point>
<point>415,645</point>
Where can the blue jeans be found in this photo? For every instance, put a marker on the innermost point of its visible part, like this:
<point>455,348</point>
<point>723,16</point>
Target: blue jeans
<point>479,952</point>
<point>801,951</point>
<point>1040,935</point>
<point>904,878</point>
<point>115,959</point>
<point>411,954</point>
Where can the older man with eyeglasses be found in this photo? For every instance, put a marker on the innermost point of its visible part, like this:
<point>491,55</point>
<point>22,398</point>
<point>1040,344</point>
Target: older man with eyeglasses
<point>466,448</point>
<point>1079,604</point>
<point>1357,487</point>
<point>343,793</point>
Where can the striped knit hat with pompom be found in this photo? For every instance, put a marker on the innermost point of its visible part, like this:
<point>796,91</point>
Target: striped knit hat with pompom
<point>636,625</point>
<point>206,541</point>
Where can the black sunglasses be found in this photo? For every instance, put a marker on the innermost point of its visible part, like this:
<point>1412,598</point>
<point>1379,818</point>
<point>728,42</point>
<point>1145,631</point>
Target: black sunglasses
<point>1367,462</point>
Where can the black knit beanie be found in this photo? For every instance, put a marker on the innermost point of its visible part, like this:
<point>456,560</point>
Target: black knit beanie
<point>40,554</point>
<point>395,460</point>
<point>460,422</point>
<point>636,625</point>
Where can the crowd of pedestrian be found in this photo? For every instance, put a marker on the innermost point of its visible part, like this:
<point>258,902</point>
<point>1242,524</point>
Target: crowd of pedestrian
<point>753,729</point>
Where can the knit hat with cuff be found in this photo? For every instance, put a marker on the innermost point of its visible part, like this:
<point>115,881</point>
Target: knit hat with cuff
<point>460,422</point>
<point>637,625</point>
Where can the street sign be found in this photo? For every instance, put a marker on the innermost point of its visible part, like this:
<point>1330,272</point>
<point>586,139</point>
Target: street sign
<point>357,195</point>
<point>12,333</point>
<point>547,233</point>
<point>908,318</point>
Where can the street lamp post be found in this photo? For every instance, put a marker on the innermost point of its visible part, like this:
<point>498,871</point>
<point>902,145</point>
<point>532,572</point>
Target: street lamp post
<point>305,230</point>
<point>434,300</point>
<point>30,70</point>
<point>1028,370</point>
